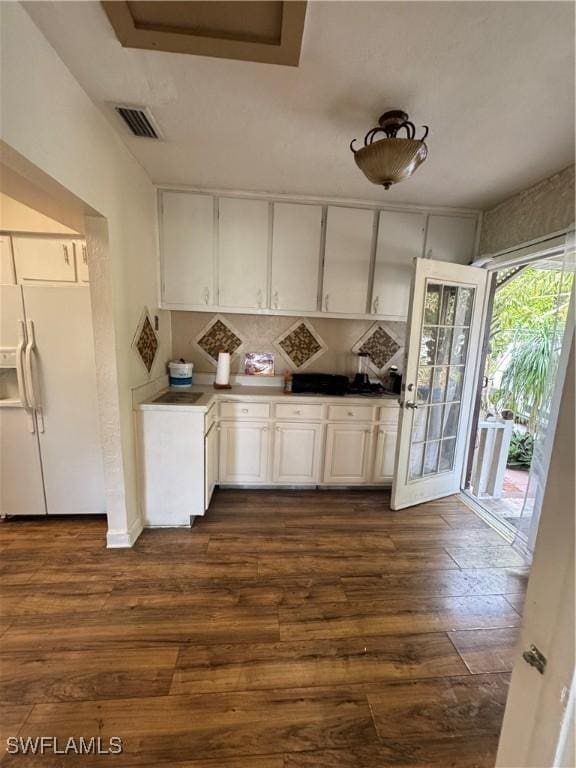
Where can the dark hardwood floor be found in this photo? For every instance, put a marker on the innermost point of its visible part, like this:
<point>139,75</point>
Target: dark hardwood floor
<point>284,630</point>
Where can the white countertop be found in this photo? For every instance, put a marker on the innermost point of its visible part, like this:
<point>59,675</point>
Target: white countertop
<point>209,396</point>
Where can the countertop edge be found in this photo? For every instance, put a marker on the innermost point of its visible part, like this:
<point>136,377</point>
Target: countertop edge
<point>211,396</point>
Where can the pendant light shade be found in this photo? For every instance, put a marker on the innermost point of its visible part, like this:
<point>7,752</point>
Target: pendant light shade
<point>391,159</point>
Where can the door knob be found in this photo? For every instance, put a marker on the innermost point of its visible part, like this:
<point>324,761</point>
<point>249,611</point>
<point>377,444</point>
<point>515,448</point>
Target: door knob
<point>412,406</point>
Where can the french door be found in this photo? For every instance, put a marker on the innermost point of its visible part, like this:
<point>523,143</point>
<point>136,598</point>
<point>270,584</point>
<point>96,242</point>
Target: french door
<point>446,315</point>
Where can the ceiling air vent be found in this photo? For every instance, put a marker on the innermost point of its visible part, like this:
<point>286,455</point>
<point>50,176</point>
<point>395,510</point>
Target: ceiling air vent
<point>139,121</point>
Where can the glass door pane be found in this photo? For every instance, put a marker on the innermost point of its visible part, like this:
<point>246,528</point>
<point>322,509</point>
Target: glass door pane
<point>443,355</point>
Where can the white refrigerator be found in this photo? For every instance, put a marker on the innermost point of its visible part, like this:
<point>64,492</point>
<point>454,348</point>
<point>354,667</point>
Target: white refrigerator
<point>50,453</point>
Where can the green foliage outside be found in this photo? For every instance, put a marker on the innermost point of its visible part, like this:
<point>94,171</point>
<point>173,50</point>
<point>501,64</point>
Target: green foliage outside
<point>528,322</point>
<point>521,449</point>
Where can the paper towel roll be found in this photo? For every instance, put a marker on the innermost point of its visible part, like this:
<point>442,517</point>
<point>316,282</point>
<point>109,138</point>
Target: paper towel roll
<point>223,369</point>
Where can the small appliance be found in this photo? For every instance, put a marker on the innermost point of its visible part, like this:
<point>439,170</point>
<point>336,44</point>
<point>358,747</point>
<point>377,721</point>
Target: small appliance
<point>319,383</point>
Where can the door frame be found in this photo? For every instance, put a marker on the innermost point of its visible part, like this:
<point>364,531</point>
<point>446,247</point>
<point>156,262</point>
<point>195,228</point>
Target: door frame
<point>520,256</point>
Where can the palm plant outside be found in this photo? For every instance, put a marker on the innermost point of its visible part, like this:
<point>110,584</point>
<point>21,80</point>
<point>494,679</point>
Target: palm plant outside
<point>529,317</point>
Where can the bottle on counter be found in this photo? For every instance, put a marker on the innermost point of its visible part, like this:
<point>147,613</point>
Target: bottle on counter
<point>287,381</point>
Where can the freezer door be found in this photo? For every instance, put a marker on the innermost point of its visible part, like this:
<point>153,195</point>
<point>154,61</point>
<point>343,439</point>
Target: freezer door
<point>21,489</point>
<point>62,369</point>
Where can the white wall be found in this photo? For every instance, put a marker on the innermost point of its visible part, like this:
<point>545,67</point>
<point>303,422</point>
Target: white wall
<point>50,121</point>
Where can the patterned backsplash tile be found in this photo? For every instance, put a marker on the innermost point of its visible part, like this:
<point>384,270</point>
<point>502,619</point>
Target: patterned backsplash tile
<point>219,336</point>
<point>384,345</point>
<point>329,349</point>
<point>300,344</point>
<point>145,341</point>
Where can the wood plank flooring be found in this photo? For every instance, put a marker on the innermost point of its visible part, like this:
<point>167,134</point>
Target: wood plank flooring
<point>284,630</point>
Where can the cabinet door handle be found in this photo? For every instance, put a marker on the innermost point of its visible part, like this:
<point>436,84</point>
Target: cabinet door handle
<point>264,429</point>
<point>66,255</point>
<point>244,410</point>
<point>276,300</point>
<point>375,305</point>
<point>429,253</point>
<point>206,296</point>
<point>259,299</point>
<point>326,302</point>
<point>350,413</point>
<point>84,254</point>
<point>298,413</point>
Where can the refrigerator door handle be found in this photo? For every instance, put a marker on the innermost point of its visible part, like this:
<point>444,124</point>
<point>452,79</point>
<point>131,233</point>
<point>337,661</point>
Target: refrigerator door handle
<point>29,357</point>
<point>20,376</point>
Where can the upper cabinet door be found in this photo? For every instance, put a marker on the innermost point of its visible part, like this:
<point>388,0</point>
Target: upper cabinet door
<point>349,234</point>
<point>243,253</point>
<point>7,276</point>
<point>81,250</point>
<point>187,243</point>
<point>296,256</point>
<point>451,238</point>
<point>400,241</point>
<point>40,259</point>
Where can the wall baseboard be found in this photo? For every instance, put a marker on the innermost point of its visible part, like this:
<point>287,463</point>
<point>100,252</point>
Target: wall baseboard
<point>124,539</point>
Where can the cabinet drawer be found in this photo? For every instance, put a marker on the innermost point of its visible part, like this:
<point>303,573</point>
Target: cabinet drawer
<point>350,412</point>
<point>389,414</point>
<point>244,410</point>
<point>297,411</point>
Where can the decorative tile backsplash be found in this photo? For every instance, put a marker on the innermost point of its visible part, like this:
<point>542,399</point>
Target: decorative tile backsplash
<point>337,339</point>
<point>219,336</point>
<point>145,341</point>
<point>384,345</point>
<point>300,344</point>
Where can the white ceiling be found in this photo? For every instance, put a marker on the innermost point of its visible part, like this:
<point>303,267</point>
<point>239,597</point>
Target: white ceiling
<point>493,80</point>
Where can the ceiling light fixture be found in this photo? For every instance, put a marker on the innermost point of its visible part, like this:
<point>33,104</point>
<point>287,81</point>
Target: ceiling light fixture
<point>391,159</point>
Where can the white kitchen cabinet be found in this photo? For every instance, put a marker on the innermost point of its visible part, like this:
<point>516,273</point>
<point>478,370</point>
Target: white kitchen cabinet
<point>171,466</point>
<point>385,453</point>
<point>348,454</point>
<point>187,246</point>
<point>43,259</point>
<point>7,276</point>
<point>211,463</point>
<point>297,453</point>
<point>243,253</point>
<point>296,244</point>
<point>81,253</point>
<point>400,241</point>
<point>244,452</point>
<point>347,256</point>
<point>451,238</point>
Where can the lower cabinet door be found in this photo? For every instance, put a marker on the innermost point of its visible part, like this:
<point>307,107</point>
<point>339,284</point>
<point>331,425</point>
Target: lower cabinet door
<point>385,454</point>
<point>244,452</point>
<point>297,453</point>
<point>211,463</point>
<point>348,454</point>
